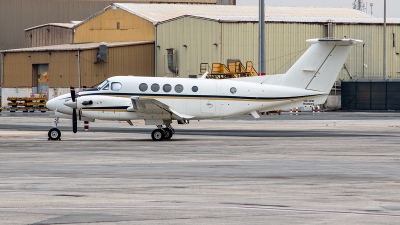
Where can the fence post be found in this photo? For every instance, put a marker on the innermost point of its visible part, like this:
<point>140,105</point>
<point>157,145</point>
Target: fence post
<point>370,95</point>
<point>356,106</point>
<point>386,95</point>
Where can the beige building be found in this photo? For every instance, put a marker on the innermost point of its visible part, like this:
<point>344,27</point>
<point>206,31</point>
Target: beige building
<point>49,34</point>
<point>17,15</point>
<point>208,34</point>
<point>208,39</point>
<point>53,69</point>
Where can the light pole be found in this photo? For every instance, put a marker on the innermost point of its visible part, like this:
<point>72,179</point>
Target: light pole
<point>371,4</point>
<point>384,41</point>
<point>363,63</point>
<point>261,30</point>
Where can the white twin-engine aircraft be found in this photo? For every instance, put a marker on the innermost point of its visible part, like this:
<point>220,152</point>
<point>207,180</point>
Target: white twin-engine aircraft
<point>160,100</point>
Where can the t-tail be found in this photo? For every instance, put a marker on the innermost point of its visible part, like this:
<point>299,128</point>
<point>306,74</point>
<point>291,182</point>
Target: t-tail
<point>318,68</point>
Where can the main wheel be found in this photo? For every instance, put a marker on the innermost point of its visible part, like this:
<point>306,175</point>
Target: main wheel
<point>168,133</point>
<point>157,135</point>
<point>54,134</point>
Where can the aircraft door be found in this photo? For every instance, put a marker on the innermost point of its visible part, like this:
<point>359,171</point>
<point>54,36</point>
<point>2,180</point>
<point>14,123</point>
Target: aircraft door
<point>208,102</point>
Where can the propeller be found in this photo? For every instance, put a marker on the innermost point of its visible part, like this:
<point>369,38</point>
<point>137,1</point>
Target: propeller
<point>74,117</point>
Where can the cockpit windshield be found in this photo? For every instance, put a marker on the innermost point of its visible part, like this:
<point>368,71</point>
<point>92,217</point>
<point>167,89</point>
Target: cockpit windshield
<point>102,85</point>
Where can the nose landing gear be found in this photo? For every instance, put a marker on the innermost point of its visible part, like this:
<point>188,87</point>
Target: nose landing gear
<point>54,133</point>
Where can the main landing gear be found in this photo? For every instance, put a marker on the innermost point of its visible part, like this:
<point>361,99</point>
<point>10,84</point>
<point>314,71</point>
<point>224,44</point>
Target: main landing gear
<point>161,133</point>
<point>54,133</point>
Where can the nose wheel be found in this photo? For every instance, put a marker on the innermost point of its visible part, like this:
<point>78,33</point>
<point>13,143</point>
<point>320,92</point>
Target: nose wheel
<point>54,134</point>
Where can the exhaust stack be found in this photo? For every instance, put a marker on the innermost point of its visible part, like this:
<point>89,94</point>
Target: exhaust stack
<point>170,58</point>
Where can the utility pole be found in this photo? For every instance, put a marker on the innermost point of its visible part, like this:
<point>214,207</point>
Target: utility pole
<point>384,41</point>
<point>363,62</point>
<point>261,41</point>
<point>371,4</point>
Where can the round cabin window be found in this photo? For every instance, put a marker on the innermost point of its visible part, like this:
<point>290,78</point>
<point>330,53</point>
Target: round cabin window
<point>155,87</point>
<point>167,88</point>
<point>143,87</point>
<point>178,88</point>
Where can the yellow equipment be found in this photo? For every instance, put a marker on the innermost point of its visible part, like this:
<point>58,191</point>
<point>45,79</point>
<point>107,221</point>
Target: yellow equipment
<point>234,69</point>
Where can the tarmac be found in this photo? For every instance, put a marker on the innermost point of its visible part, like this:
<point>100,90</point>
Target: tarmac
<point>326,168</point>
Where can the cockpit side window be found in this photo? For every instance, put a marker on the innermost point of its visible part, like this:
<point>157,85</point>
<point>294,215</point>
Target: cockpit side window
<point>102,85</point>
<point>107,87</point>
<point>115,86</point>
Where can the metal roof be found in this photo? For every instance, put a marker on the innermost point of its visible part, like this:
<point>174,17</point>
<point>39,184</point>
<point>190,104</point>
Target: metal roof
<point>75,47</point>
<point>157,13</point>
<point>65,25</point>
<point>288,19</point>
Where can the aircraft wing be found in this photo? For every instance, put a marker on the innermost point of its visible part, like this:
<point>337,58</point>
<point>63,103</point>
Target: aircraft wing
<point>153,106</point>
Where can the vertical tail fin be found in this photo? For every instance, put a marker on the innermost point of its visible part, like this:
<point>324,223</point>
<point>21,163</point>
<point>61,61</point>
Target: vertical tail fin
<point>318,68</point>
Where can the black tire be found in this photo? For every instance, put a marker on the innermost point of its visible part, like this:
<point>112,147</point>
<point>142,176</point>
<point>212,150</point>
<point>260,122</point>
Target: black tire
<point>157,135</point>
<point>54,134</point>
<point>168,133</point>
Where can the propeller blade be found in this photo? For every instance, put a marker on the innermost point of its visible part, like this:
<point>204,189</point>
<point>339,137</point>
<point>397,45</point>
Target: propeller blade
<point>72,93</point>
<point>74,121</point>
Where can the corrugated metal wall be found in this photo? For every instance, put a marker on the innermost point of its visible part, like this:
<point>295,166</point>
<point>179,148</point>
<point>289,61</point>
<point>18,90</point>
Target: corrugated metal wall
<point>18,68</point>
<point>48,35</point>
<point>285,43</point>
<point>137,60</point>
<point>63,66</point>
<point>372,35</point>
<point>198,35</point>
<point>115,25</point>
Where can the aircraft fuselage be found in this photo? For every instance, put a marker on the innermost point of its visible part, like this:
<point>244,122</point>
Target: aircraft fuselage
<point>200,98</point>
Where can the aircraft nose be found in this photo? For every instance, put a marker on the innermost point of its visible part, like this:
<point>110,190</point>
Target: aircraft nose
<point>51,104</point>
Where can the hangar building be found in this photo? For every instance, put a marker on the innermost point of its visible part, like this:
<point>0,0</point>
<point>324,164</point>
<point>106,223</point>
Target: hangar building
<point>21,14</point>
<point>207,34</point>
<point>18,15</point>
<point>53,69</point>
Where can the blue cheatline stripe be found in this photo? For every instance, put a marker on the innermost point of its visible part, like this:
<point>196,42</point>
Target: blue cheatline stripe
<point>155,95</point>
<point>109,107</point>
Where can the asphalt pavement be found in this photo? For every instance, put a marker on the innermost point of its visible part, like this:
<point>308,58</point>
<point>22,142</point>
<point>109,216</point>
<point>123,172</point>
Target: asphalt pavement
<point>330,168</point>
